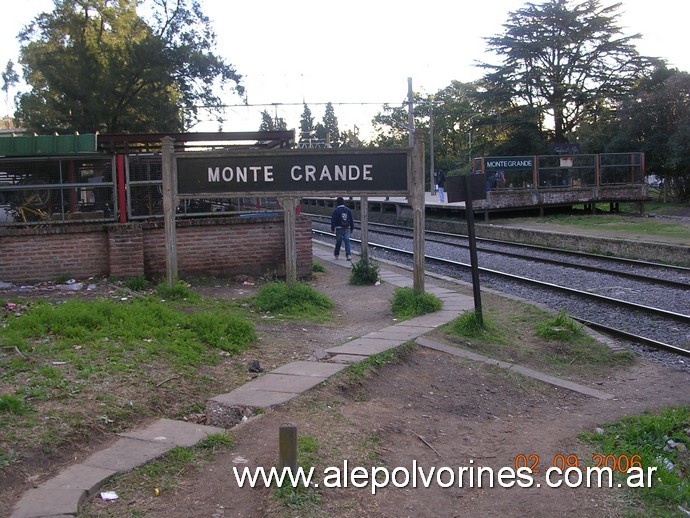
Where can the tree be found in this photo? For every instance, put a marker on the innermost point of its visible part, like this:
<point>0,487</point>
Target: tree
<point>96,65</point>
<point>9,79</point>
<point>656,120</point>
<point>330,126</point>
<point>564,58</point>
<point>306,125</point>
<point>270,124</point>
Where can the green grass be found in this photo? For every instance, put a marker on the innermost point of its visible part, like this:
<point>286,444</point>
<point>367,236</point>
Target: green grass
<point>647,438</point>
<point>139,329</point>
<point>10,404</point>
<point>179,291</point>
<point>300,497</point>
<point>406,303</point>
<point>294,300</point>
<point>520,333</point>
<point>468,325</point>
<point>123,359</point>
<point>136,283</point>
<point>163,475</point>
<point>374,363</point>
<point>620,223</point>
<point>561,327</point>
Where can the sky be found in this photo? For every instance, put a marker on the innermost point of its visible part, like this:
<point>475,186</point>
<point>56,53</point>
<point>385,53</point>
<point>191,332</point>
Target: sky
<point>360,54</point>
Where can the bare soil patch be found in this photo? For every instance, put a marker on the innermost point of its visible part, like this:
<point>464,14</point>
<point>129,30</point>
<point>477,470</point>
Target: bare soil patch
<point>430,408</point>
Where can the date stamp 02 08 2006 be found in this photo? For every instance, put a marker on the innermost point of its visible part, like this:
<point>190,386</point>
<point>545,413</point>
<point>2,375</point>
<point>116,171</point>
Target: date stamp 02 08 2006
<point>621,463</point>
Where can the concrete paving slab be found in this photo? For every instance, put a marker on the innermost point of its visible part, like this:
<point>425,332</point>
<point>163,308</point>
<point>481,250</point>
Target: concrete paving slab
<point>434,319</point>
<point>127,454</point>
<point>80,476</point>
<point>424,328</point>
<point>442,292</point>
<point>347,359</point>
<point>255,398</point>
<point>397,333</point>
<point>176,433</point>
<point>457,307</point>
<point>45,502</point>
<point>575,387</point>
<point>365,346</point>
<point>283,383</point>
<point>464,353</point>
<point>302,368</point>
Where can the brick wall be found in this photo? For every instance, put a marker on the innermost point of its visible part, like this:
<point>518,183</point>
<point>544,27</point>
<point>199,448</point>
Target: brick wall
<point>215,246</point>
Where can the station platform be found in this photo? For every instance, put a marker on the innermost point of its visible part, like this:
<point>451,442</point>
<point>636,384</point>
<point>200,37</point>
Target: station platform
<point>515,201</point>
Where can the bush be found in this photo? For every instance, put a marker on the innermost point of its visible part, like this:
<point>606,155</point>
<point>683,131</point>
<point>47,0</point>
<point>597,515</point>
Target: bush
<point>407,303</point>
<point>364,272</point>
<point>293,300</point>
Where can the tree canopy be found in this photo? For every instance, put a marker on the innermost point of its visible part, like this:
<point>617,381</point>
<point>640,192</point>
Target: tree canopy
<point>565,58</point>
<point>97,65</point>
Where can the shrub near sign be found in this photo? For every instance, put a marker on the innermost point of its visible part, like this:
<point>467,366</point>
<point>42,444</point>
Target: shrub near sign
<point>294,173</point>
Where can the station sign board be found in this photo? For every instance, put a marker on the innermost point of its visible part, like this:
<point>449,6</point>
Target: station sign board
<point>294,173</point>
<point>508,162</point>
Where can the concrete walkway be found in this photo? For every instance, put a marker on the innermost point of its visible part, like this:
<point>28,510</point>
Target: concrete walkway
<point>61,495</point>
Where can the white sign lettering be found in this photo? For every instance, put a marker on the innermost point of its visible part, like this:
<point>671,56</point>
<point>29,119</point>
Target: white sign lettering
<point>241,174</point>
<point>308,173</point>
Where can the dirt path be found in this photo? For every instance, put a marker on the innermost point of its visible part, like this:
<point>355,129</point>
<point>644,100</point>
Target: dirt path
<point>430,408</point>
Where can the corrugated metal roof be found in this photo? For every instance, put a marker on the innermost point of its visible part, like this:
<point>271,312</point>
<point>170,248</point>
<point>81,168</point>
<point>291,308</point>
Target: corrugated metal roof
<point>45,145</point>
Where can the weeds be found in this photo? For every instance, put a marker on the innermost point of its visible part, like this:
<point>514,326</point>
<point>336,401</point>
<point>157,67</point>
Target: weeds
<point>468,325</point>
<point>520,333</point>
<point>124,357</point>
<point>364,272</point>
<point>407,303</point>
<point>179,291</point>
<point>299,496</point>
<point>136,284</point>
<point>649,440</point>
<point>13,405</point>
<point>295,300</point>
<point>375,362</point>
<point>561,327</point>
<point>163,474</point>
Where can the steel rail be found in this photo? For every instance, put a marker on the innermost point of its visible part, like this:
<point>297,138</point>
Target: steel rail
<point>571,291</point>
<point>621,260</point>
<point>597,269</point>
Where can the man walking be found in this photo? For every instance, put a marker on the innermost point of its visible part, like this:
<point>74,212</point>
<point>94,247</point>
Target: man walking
<point>342,223</point>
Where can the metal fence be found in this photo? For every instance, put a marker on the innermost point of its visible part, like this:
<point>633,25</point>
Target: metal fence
<point>44,191</point>
<point>55,190</point>
<point>561,171</point>
<point>145,195</point>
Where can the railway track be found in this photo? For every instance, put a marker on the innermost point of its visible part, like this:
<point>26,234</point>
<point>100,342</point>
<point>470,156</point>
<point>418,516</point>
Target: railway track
<point>648,324</point>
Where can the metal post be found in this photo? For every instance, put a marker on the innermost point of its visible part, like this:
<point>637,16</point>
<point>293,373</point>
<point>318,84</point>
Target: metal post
<point>432,184</point>
<point>473,252</point>
<point>410,111</point>
<point>417,200</point>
